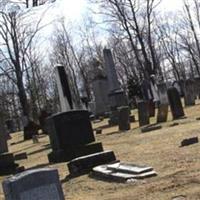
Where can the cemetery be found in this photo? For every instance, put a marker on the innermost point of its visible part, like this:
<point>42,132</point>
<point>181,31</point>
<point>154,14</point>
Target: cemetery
<point>82,118</point>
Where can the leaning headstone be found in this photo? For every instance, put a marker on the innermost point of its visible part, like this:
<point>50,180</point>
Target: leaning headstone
<point>71,136</point>
<point>38,184</point>
<point>175,103</point>
<point>124,118</point>
<point>162,113</point>
<point>143,113</point>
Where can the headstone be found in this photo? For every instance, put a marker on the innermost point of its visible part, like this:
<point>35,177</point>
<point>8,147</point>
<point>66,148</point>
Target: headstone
<point>162,93</point>
<point>116,95</point>
<point>143,113</point>
<point>68,94</point>
<point>42,119</point>
<point>100,89</point>
<point>10,125</point>
<point>38,184</point>
<point>162,113</point>
<point>124,118</point>
<point>64,91</point>
<point>175,103</point>
<point>71,136</point>
<point>151,107</point>
<point>30,130</point>
<point>189,93</point>
<point>85,163</point>
<point>114,118</point>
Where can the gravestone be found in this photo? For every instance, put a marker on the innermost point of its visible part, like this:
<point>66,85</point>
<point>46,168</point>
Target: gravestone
<point>7,162</point>
<point>151,107</point>
<point>162,113</point>
<point>30,130</point>
<point>42,119</point>
<point>175,103</point>
<point>143,113</point>
<point>71,136</point>
<point>38,184</point>
<point>124,118</point>
<point>114,118</point>
<point>116,95</point>
<point>10,125</point>
<point>68,95</point>
<point>162,93</point>
<point>100,89</point>
<point>189,93</point>
<point>64,91</point>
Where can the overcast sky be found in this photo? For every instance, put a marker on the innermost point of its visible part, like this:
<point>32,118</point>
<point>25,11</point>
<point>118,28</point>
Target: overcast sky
<point>74,8</point>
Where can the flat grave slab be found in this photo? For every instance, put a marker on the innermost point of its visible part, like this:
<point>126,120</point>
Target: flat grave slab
<point>119,175</point>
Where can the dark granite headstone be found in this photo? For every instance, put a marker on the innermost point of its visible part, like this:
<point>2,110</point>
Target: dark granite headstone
<point>162,113</point>
<point>38,184</point>
<point>30,130</point>
<point>175,103</point>
<point>71,135</point>
<point>143,113</point>
<point>124,119</point>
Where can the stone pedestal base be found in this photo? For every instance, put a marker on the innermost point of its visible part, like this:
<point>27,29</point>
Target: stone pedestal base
<point>74,152</point>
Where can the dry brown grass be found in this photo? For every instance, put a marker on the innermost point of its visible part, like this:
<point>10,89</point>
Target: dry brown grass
<point>178,168</point>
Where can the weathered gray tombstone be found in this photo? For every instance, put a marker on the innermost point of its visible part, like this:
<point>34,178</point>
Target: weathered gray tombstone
<point>38,184</point>
<point>71,136</point>
<point>162,113</point>
<point>189,93</point>
<point>162,93</point>
<point>124,118</point>
<point>175,103</point>
<point>100,89</point>
<point>143,113</point>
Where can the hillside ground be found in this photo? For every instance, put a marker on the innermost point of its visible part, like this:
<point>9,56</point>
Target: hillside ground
<point>178,168</point>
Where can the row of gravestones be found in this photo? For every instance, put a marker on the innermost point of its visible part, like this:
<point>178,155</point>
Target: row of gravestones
<point>174,100</point>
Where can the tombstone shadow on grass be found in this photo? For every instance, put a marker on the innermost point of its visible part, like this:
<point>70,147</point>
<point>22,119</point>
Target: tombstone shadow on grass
<point>39,166</point>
